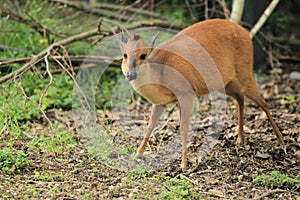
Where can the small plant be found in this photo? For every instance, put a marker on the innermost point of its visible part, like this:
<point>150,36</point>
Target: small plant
<point>95,170</point>
<point>45,176</point>
<point>55,189</point>
<point>278,22</point>
<point>177,188</point>
<point>286,99</point>
<point>138,172</point>
<point>11,162</point>
<point>277,180</point>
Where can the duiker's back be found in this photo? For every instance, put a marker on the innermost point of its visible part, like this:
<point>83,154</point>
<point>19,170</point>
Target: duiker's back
<point>198,49</point>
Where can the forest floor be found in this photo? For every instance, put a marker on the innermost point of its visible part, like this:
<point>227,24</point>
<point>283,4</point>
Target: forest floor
<point>259,170</point>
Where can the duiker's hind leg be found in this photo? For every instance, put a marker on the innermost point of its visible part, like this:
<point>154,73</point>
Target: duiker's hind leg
<point>253,93</point>
<point>234,89</point>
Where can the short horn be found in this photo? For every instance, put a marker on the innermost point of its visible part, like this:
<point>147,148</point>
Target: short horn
<point>152,40</point>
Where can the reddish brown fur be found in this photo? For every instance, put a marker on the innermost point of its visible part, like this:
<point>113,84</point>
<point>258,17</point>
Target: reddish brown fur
<point>230,48</point>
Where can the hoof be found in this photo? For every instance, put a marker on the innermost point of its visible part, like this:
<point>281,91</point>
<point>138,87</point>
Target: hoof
<point>280,142</point>
<point>183,167</point>
<point>139,156</point>
<point>240,142</point>
<point>281,145</point>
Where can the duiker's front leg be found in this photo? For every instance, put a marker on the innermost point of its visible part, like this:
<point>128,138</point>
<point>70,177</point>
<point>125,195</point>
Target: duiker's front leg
<point>156,113</point>
<point>186,108</point>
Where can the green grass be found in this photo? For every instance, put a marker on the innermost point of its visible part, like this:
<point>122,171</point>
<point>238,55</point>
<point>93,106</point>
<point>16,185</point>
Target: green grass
<point>177,188</point>
<point>16,110</point>
<point>286,100</point>
<point>12,162</point>
<point>56,142</point>
<point>59,143</point>
<point>276,179</point>
<point>46,176</point>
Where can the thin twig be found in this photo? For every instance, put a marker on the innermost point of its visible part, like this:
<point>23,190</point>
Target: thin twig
<point>190,10</point>
<point>44,32</point>
<point>75,82</point>
<point>26,98</point>
<point>50,81</point>
<point>68,61</point>
<point>206,9</point>
<point>89,9</point>
<point>225,9</point>
<point>269,193</point>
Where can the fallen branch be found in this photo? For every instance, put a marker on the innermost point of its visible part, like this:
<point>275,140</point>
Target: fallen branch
<point>91,10</point>
<point>50,81</point>
<point>108,10</point>
<point>283,58</point>
<point>44,32</point>
<point>42,54</point>
<point>82,36</point>
<point>158,23</point>
<point>74,59</point>
<point>128,8</point>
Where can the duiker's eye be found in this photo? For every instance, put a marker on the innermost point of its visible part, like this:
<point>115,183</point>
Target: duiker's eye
<point>143,56</point>
<point>125,55</point>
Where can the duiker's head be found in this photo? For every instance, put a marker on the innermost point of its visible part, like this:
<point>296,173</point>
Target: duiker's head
<point>135,53</point>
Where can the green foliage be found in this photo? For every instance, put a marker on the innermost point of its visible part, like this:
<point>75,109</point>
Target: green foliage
<point>20,40</point>
<point>177,188</point>
<point>277,180</point>
<point>24,40</point>
<point>59,143</point>
<point>14,108</point>
<point>286,99</point>
<point>105,88</point>
<point>12,162</point>
<point>277,23</point>
<point>175,10</point>
<point>138,172</point>
<point>45,176</point>
<point>58,95</point>
<point>103,97</point>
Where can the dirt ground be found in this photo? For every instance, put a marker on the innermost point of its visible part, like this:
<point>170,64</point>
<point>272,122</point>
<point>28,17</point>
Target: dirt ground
<point>224,171</point>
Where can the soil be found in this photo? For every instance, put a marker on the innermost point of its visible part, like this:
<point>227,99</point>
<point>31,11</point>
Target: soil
<point>216,171</point>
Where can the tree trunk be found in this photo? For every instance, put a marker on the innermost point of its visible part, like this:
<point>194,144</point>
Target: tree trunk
<point>237,11</point>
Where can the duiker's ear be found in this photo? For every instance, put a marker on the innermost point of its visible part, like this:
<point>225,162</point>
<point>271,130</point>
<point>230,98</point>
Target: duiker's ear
<point>151,42</point>
<point>123,38</point>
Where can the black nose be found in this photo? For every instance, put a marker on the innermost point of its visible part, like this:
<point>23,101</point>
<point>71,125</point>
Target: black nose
<point>130,76</point>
